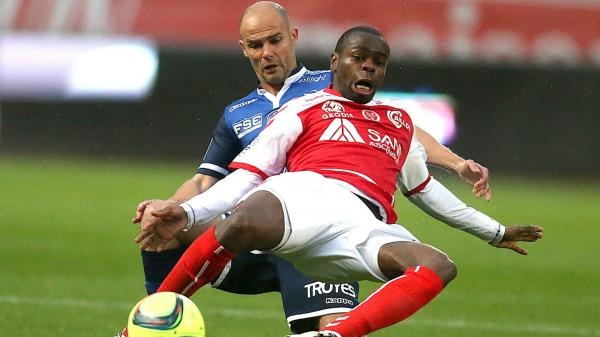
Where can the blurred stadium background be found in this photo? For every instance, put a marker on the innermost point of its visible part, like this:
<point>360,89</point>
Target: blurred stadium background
<point>104,103</point>
<point>136,77</point>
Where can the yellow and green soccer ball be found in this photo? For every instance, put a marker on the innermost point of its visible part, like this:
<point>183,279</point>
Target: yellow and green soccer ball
<point>165,314</point>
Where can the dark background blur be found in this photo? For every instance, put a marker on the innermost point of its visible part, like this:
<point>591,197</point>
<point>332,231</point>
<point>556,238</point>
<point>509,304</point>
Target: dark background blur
<point>519,113</point>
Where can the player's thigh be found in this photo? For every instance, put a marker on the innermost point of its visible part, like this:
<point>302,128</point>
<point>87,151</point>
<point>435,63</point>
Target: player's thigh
<point>328,227</point>
<point>351,251</point>
<point>257,222</point>
<point>314,208</point>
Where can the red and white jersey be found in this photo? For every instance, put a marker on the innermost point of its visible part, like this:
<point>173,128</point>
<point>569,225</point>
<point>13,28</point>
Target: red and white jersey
<point>364,145</point>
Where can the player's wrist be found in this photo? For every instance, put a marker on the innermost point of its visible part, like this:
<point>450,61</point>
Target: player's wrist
<point>499,235</point>
<point>191,216</point>
<point>459,166</point>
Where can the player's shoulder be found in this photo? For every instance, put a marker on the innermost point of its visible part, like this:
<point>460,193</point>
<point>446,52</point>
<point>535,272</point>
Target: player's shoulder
<point>390,102</point>
<point>306,80</point>
<point>315,76</point>
<point>243,103</point>
<point>308,100</point>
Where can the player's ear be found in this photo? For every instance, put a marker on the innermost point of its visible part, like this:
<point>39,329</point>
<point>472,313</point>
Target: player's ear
<point>241,44</point>
<point>333,62</point>
<point>294,34</point>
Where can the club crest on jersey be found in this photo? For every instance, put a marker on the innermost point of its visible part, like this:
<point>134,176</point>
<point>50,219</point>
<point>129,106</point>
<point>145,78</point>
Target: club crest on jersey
<point>395,117</point>
<point>371,115</point>
<point>332,106</point>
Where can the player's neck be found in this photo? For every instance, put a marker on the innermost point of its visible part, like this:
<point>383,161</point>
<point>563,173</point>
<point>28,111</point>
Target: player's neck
<point>272,89</point>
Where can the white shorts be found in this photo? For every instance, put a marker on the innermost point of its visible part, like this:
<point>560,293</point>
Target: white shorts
<point>330,234</point>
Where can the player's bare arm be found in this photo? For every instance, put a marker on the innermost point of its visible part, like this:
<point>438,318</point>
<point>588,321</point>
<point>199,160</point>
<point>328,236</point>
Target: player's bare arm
<point>472,172</point>
<point>477,175</point>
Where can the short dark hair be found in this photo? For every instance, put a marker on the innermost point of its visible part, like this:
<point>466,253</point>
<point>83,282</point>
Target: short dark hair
<point>341,43</point>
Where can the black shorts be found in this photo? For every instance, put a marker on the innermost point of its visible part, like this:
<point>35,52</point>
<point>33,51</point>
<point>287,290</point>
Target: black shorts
<point>304,300</point>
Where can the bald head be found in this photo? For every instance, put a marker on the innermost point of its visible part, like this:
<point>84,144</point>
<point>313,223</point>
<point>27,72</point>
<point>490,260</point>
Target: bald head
<point>260,9</point>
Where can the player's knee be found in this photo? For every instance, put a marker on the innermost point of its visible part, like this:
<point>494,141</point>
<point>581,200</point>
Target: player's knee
<point>446,269</point>
<point>441,264</point>
<point>395,259</point>
<point>236,232</point>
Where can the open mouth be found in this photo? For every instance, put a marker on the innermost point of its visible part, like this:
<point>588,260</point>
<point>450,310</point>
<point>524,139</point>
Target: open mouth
<point>363,87</point>
<point>270,67</point>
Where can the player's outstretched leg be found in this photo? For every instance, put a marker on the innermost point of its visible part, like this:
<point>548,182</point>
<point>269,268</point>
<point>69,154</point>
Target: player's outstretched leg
<point>423,270</point>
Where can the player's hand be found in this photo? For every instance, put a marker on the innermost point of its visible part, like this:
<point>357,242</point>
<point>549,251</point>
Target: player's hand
<point>513,234</point>
<point>159,224</point>
<point>478,176</point>
<point>152,246</point>
<point>140,210</point>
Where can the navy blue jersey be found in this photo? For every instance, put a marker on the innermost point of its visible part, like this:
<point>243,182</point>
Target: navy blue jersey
<point>243,119</point>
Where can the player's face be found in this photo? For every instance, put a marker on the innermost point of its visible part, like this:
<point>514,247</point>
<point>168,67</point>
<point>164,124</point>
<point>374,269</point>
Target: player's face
<point>359,69</point>
<point>269,43</point>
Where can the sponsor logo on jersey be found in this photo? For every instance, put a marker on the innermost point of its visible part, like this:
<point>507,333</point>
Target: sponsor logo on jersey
<point>389,144</point>
<point>343,130</point>
<point>320,288</point>
<point>336,115</point>
<point>239,105</point>
<point>313,79</point>
<point>395,117</point>
<point>332,106</point>
<point>247,125</point>
<point>371,115</point>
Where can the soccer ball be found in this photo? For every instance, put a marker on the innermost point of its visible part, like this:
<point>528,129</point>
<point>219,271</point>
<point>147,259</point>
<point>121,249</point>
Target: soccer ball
<point>165,314</point>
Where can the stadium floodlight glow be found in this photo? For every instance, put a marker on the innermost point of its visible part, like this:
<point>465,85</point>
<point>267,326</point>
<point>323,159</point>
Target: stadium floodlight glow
<point>432,112</point>
<point>120,70</point>
<point>68,67</point>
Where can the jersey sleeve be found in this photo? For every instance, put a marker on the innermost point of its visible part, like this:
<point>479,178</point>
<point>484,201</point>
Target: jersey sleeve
<point>222,149</point>
<point>414,174</point>
<point>221,197</point>
<point>267,154</point>
<point>436,200</point>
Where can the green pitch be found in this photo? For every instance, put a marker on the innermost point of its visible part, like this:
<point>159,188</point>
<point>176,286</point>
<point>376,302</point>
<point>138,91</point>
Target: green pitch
<point>70,267</point>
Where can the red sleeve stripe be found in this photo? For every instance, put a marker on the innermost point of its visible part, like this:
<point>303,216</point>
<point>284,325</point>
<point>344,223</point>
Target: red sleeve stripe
<point>247,167</point>
<point>418,188</point>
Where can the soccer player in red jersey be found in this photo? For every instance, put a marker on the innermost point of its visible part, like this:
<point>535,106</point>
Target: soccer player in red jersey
<point>267,39</point>
<point>331,212</point>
